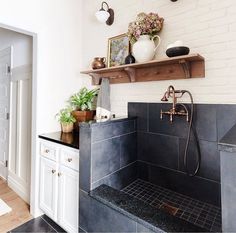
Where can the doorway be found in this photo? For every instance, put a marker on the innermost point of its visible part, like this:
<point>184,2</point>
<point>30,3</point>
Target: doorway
<point>16,59</point>
<point>5,76</point>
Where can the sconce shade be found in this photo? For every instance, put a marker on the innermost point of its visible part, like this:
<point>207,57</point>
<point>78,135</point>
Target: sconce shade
<point>105,16</point>
<point>102,16</point>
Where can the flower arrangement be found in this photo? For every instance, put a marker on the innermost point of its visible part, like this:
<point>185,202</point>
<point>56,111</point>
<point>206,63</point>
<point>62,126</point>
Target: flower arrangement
<point>145,24</point>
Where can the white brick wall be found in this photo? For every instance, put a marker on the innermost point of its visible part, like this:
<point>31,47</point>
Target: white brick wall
<point>208,27</point>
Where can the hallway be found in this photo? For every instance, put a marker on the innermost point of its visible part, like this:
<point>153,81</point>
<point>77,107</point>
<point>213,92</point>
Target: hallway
<point>20,210</point>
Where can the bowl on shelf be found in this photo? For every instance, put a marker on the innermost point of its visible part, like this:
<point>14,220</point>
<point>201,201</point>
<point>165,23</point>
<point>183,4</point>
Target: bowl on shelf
<point>177,51</point>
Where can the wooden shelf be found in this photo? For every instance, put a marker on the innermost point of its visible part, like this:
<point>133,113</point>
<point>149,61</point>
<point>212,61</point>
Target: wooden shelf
<point>182,67</point>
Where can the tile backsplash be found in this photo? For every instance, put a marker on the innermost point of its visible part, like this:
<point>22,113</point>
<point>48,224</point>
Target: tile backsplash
<point>160,147</point>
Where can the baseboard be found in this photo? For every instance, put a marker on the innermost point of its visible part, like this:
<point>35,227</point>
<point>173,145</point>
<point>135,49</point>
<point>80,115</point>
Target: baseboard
<point>18,188</point>
<point>1,177</point>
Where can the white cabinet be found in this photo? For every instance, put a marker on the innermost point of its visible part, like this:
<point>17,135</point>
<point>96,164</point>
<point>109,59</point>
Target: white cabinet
<point>59,184</point>
<point>48,187</point>
<point>68,198</point>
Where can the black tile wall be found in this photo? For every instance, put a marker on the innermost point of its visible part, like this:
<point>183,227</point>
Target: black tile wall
<point>120,178</point>
<point>210,159</point>
<point>205,121</point>
<point>158,149</point>
<point>128,149</point>
<point>97,217</point>
<point>114,129</point>
<point>139,110</point>
<point>195,187</point>
<point>156,125</point>
<point>102,132</point>
<point>228,167</point>
<point>105,158</point>
<point>225,119</point>
<point>85,158</point>
<point>106,152</point>
<point>161,144</point>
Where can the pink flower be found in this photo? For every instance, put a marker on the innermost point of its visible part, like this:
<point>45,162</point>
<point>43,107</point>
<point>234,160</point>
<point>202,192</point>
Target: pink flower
<point>148,24</point>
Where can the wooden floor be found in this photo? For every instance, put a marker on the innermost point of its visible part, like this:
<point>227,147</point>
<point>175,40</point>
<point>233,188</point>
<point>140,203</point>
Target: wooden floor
<point>20,210</point>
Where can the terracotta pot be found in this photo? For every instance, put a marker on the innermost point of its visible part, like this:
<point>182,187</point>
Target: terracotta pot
<point>67,127</point>
<point>82,116</point>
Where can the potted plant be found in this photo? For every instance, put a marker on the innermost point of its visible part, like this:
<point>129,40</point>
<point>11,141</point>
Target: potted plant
<point>83,103</point>
<point>66,119</point>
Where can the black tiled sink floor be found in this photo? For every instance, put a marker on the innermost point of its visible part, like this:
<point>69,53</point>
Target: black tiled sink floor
<point>194,211</point>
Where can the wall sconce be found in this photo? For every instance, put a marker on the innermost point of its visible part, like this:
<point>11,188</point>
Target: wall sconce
<point>105,16</point>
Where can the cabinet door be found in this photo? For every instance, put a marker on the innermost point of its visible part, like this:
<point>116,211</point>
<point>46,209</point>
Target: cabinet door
<point>48,187</point>
<point>68,199</point>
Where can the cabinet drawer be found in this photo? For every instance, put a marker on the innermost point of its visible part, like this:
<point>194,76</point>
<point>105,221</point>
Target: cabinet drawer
<point>48,150</point>
<point>70,159</point>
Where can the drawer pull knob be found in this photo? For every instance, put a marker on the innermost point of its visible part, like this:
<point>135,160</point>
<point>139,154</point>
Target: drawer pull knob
<point>69,160</point>
<point>47,151</point>
<point>59,174</point>
<point>53,171</point>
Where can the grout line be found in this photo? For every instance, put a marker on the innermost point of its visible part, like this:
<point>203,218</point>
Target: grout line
<point>49,224</point>
<point>146,191</point>
<point>107,139</point>
<point>199,177</point>
<point>82,229</point>
<point>113,172</point>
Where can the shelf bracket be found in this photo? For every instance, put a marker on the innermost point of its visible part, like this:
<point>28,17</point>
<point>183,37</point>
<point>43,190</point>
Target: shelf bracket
<point>131,73</point>
<point>186,67</point>
<point>95,78</point>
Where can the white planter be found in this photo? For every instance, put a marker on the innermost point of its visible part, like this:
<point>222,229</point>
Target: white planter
<point>145,49</point>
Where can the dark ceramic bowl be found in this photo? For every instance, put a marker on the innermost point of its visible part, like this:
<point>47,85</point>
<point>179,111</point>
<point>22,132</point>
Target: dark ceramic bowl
<point>177,51</point>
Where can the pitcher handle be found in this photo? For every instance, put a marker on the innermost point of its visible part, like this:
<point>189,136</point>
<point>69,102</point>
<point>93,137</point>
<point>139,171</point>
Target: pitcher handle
<point>159,41</point>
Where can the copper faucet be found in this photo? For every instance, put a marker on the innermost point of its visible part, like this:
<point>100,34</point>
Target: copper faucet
<point>174,94</point>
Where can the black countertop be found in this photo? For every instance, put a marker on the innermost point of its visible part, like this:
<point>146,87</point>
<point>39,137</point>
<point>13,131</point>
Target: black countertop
<point>141,212</point>
<point>72,139</point>
<point>66,139</point>
<point>228,142</point>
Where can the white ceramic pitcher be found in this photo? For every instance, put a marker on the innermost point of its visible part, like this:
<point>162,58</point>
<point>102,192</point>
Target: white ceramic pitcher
<point>145,49</point>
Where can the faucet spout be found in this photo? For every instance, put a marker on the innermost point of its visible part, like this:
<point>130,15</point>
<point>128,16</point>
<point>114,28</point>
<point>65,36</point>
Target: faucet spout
<point>164,98</point>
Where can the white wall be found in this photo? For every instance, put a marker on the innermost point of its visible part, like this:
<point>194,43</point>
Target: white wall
<point>57,25</point>
<point>56,28</point>
<point>208,27</point>
<point>22,46</point>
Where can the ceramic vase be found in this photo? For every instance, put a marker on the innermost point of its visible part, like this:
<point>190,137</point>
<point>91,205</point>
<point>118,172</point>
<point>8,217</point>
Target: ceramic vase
<point>144,49</point>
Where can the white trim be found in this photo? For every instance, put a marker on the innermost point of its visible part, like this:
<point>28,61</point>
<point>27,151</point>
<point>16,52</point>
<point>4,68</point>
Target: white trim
<point>34,188</point>
<point>18,188</point>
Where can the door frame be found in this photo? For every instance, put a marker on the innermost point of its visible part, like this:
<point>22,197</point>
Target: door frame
<point>34,209</point>
<point>8,51</point>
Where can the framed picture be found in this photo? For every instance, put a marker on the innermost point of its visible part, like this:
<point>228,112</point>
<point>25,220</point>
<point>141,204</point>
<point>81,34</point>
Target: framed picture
<point>118,50</point>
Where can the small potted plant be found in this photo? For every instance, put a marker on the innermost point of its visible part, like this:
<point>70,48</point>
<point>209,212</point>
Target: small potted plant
<point>83,104</point>
<point>66,119</point>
